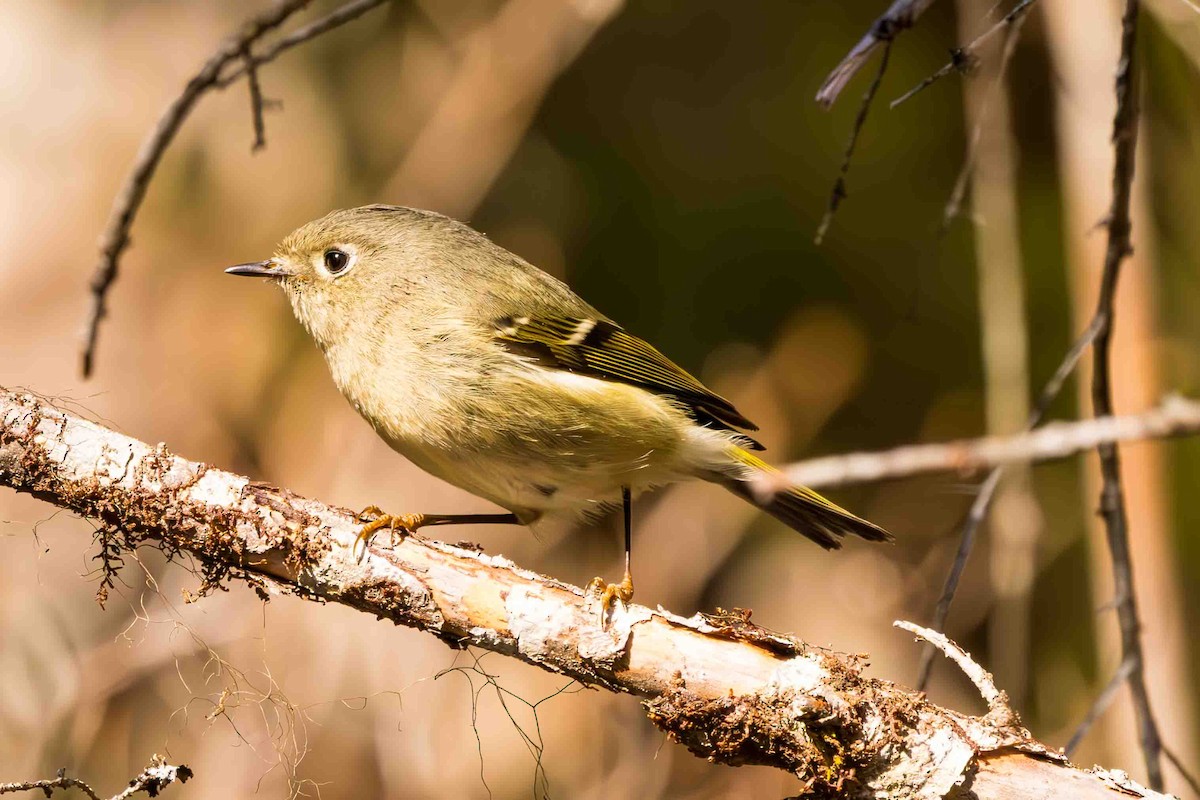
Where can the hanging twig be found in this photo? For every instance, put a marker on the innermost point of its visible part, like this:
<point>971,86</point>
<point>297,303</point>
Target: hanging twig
<point>1112,498</point>
<point>953,205</point>
<point>963,57</point>
<point>900,15</point>
<point>838,194</point>
<point>128,200</point>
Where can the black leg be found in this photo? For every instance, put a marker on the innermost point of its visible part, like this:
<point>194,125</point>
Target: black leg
<point>627,501</point>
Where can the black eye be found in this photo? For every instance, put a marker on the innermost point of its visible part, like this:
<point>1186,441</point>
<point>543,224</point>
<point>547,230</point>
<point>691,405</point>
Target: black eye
<point>336,261</point>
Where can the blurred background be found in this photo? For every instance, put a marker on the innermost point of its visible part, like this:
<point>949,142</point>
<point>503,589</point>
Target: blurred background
<point>668,160</point>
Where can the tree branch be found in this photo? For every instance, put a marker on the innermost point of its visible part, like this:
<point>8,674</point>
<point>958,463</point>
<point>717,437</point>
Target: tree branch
<point>236,49</point>
<point>157,776</point>
<point>1112,497</point>
<point>730,691</point>
<point>1176,416</point>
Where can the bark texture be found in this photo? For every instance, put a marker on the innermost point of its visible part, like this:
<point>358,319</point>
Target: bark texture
<point>731,692</point>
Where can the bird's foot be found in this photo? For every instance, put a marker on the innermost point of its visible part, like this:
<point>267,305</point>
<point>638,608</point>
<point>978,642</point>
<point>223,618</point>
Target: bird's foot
<point>399,526</point>
<point>610,593</point>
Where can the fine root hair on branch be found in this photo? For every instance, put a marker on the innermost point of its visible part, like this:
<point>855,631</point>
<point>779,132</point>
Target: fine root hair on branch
<point>157,776</point>
<point>233,58</point>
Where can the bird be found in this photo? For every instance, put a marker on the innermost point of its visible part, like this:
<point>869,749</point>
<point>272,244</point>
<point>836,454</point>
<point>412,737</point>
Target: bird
<point>494,376</point>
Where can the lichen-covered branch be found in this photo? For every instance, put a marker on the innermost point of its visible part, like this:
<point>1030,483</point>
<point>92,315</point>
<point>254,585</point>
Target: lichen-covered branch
<point>730,691</point>
<point>157,776</point>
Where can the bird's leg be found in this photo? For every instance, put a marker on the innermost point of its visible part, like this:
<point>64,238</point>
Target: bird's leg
<point>401,525</point>
<point>623,591</point>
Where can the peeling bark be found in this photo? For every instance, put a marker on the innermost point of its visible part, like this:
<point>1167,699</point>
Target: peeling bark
<point>731,692</point>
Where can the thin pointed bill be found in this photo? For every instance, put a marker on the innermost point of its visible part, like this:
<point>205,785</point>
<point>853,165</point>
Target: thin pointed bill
<point>259,269</point>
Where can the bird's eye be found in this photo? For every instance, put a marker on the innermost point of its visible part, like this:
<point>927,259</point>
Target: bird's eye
<point>336,261</point>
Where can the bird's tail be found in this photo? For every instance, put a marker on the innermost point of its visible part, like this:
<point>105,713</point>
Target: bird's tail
<point>798,507</point>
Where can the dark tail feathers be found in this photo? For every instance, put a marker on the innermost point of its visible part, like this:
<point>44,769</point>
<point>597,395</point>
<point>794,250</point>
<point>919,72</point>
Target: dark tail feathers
<point>802,509</point>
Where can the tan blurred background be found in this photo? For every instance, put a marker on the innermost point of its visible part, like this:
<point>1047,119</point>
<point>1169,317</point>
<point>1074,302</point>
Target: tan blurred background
<point>667,160</point>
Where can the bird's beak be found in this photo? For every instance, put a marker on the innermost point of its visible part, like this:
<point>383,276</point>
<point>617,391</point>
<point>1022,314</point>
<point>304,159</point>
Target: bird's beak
<point>260,269</point>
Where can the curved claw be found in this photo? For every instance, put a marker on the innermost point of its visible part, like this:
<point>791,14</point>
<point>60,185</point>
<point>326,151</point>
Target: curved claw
<point>399,526</point>
<point>610,593</point>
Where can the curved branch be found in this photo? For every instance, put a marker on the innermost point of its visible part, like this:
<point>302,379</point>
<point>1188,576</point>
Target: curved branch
<point>730,691</point>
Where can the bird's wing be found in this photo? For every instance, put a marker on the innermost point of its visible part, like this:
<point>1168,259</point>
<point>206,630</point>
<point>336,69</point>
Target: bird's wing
<point>602,349</point>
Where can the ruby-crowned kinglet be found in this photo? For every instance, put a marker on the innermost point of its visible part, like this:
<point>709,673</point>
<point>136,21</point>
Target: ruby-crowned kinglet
<point>496,377</point>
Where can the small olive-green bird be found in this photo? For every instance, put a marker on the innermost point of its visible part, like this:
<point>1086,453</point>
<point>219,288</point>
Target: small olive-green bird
<point>496,377</point>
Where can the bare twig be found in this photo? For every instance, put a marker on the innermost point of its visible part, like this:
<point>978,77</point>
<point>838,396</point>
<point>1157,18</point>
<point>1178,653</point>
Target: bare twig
<point>336,18</point>
<point>157,776</point>
<point>1175,416</point>
<point>900,15</point>
<point>838,194</point>
<point>256,102</point>
<point>235,49</point>
<point>953,205</point>
<point>962,57</point>
<point>1112,499</point>
<point>730,691</point>
<point>987,490</point>
<point>1100,705</point>
<point>997,701</point>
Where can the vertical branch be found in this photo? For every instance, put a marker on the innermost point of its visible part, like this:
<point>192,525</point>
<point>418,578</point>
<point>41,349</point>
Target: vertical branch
<point>1112,499</point>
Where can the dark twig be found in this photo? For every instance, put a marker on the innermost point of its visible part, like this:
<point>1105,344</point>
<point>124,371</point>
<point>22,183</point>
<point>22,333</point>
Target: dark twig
<point>116,234</point>
<point>901,15</point>
<point>1100,705</point>
<point>336,18</point>
<point>839,186</point>
<point>256,102</point>
<point>954,204</point>
<point>1112,499</point>
<point>1187,776</point>
<point>963,57</point>
<point>987,490</point>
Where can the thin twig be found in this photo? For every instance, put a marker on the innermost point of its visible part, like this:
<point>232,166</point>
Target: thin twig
<point>963,57</point>
<point>157,776</point>
<point>954,204</point>
<point>987,490</point>
<point>256,102</point>
<point>1099,705</point>
<point>48,786</point>
<point>231,51</point>
<point>838,194</point>
<point>1175,416</point>
<point>1187,776</point>
<point>336,18</point>
<point>900,15</point>
<point>1112,499</point>
<point>997,701</point>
